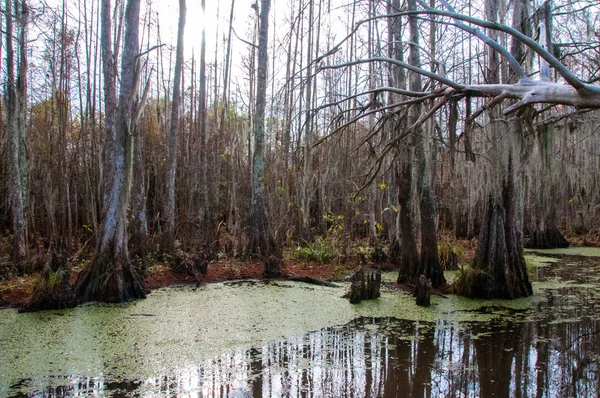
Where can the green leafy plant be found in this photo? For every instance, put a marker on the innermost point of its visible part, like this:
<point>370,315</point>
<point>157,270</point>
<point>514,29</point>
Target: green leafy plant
<point>449,254</point>
<point>320,251</point>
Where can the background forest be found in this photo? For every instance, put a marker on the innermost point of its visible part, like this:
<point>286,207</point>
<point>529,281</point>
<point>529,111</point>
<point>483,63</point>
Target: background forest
<point>310,126</point>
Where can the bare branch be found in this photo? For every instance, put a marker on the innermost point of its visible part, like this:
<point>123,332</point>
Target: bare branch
<point>555,63</point>
<point>408,66</point>
<point>487,40</point>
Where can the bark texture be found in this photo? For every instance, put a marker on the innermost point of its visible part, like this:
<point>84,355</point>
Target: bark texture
<point>261,242</point>
<point>365,285</point>
<point>16,104</point>
<point>429,264</point>
<point>111,276</point>
<point>169,238</point>
<point>498,268</point>
<point>409,256</point>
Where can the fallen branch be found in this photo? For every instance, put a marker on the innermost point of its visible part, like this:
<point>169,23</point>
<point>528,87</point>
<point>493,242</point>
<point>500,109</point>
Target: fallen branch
<point>310,280</point>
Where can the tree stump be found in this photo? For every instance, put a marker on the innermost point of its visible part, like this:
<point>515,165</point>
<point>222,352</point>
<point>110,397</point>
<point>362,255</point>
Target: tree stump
<point>200,264</point>
<point>365,285</point>
<point>423,291</point>
<point>273,267</point>
<point>378,256</point>
<point>53,290</point>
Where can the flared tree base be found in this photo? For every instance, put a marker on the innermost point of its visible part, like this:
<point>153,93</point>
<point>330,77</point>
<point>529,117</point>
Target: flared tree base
<point>550,238</point>
<point>499,269</point>
<point>110,279</point>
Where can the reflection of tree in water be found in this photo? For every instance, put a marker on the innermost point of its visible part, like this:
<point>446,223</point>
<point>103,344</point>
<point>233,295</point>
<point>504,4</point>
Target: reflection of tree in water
<point>390,358</point>
<point>395,358</point>
<point>494,353</point>
<point>332,362</point>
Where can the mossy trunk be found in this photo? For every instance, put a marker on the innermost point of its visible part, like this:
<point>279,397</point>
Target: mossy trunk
<point>260,240</point>
<point>499,263</point>
<point>545,235</point>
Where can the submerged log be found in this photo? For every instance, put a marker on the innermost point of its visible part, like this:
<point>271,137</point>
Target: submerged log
<point>365,285</point>
<point>423,291</point>
<point>312,281</point>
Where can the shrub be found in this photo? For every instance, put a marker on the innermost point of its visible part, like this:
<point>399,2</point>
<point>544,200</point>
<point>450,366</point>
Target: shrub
<point>449,254</point>
<point>320,251</point>
<point>471,282</point>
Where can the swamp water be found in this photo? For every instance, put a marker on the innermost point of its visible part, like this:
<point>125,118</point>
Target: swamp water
<point>286,339</point>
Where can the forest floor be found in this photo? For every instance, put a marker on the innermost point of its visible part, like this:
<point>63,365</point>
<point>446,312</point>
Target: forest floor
<point>16,290</point>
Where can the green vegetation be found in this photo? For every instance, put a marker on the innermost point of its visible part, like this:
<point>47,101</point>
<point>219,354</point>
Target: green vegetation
<point>570,251</point>
<point>320,251</point>
<point>449,253</point>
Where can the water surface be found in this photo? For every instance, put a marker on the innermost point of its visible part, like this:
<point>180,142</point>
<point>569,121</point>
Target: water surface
<point>288,339</point>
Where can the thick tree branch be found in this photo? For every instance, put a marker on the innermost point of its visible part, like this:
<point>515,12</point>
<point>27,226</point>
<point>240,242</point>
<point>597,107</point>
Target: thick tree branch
<point>534,92</point>
<point>532,44</point>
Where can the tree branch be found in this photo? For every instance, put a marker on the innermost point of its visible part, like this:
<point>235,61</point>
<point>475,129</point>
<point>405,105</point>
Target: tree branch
<point>405,65</point>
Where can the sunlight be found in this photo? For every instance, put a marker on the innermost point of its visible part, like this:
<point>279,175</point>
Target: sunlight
<point>196,21</point>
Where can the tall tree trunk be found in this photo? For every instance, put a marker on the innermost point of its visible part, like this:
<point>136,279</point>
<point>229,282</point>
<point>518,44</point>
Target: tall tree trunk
<point>499,263</point>
<point>15,123</point>
<point>307,188</point>
<point>224,115</point>
<point>261,242</point>
<point>202,110</point>
<point>111,276</point>
<point>429,264</point>
<point>169,238</point>
<point>544,234</point>
<point>139,216</point>
<point>408,255</point>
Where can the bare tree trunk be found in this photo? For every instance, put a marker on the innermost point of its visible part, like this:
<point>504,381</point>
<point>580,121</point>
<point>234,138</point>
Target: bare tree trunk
<point>545,234</point>
<point>15,123</point>
<point>224,115</point>
<point>169,238</point>
<point>261,242</point>
<point>429,264</point>
<point>307,188</point>
<point>499,264</point>
<point>111,276</point>
<point>409,256</point>
<point>202,112</point>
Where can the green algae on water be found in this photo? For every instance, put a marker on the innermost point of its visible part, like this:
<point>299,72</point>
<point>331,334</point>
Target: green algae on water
<point>175,329</point>
<point>569,251</point>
